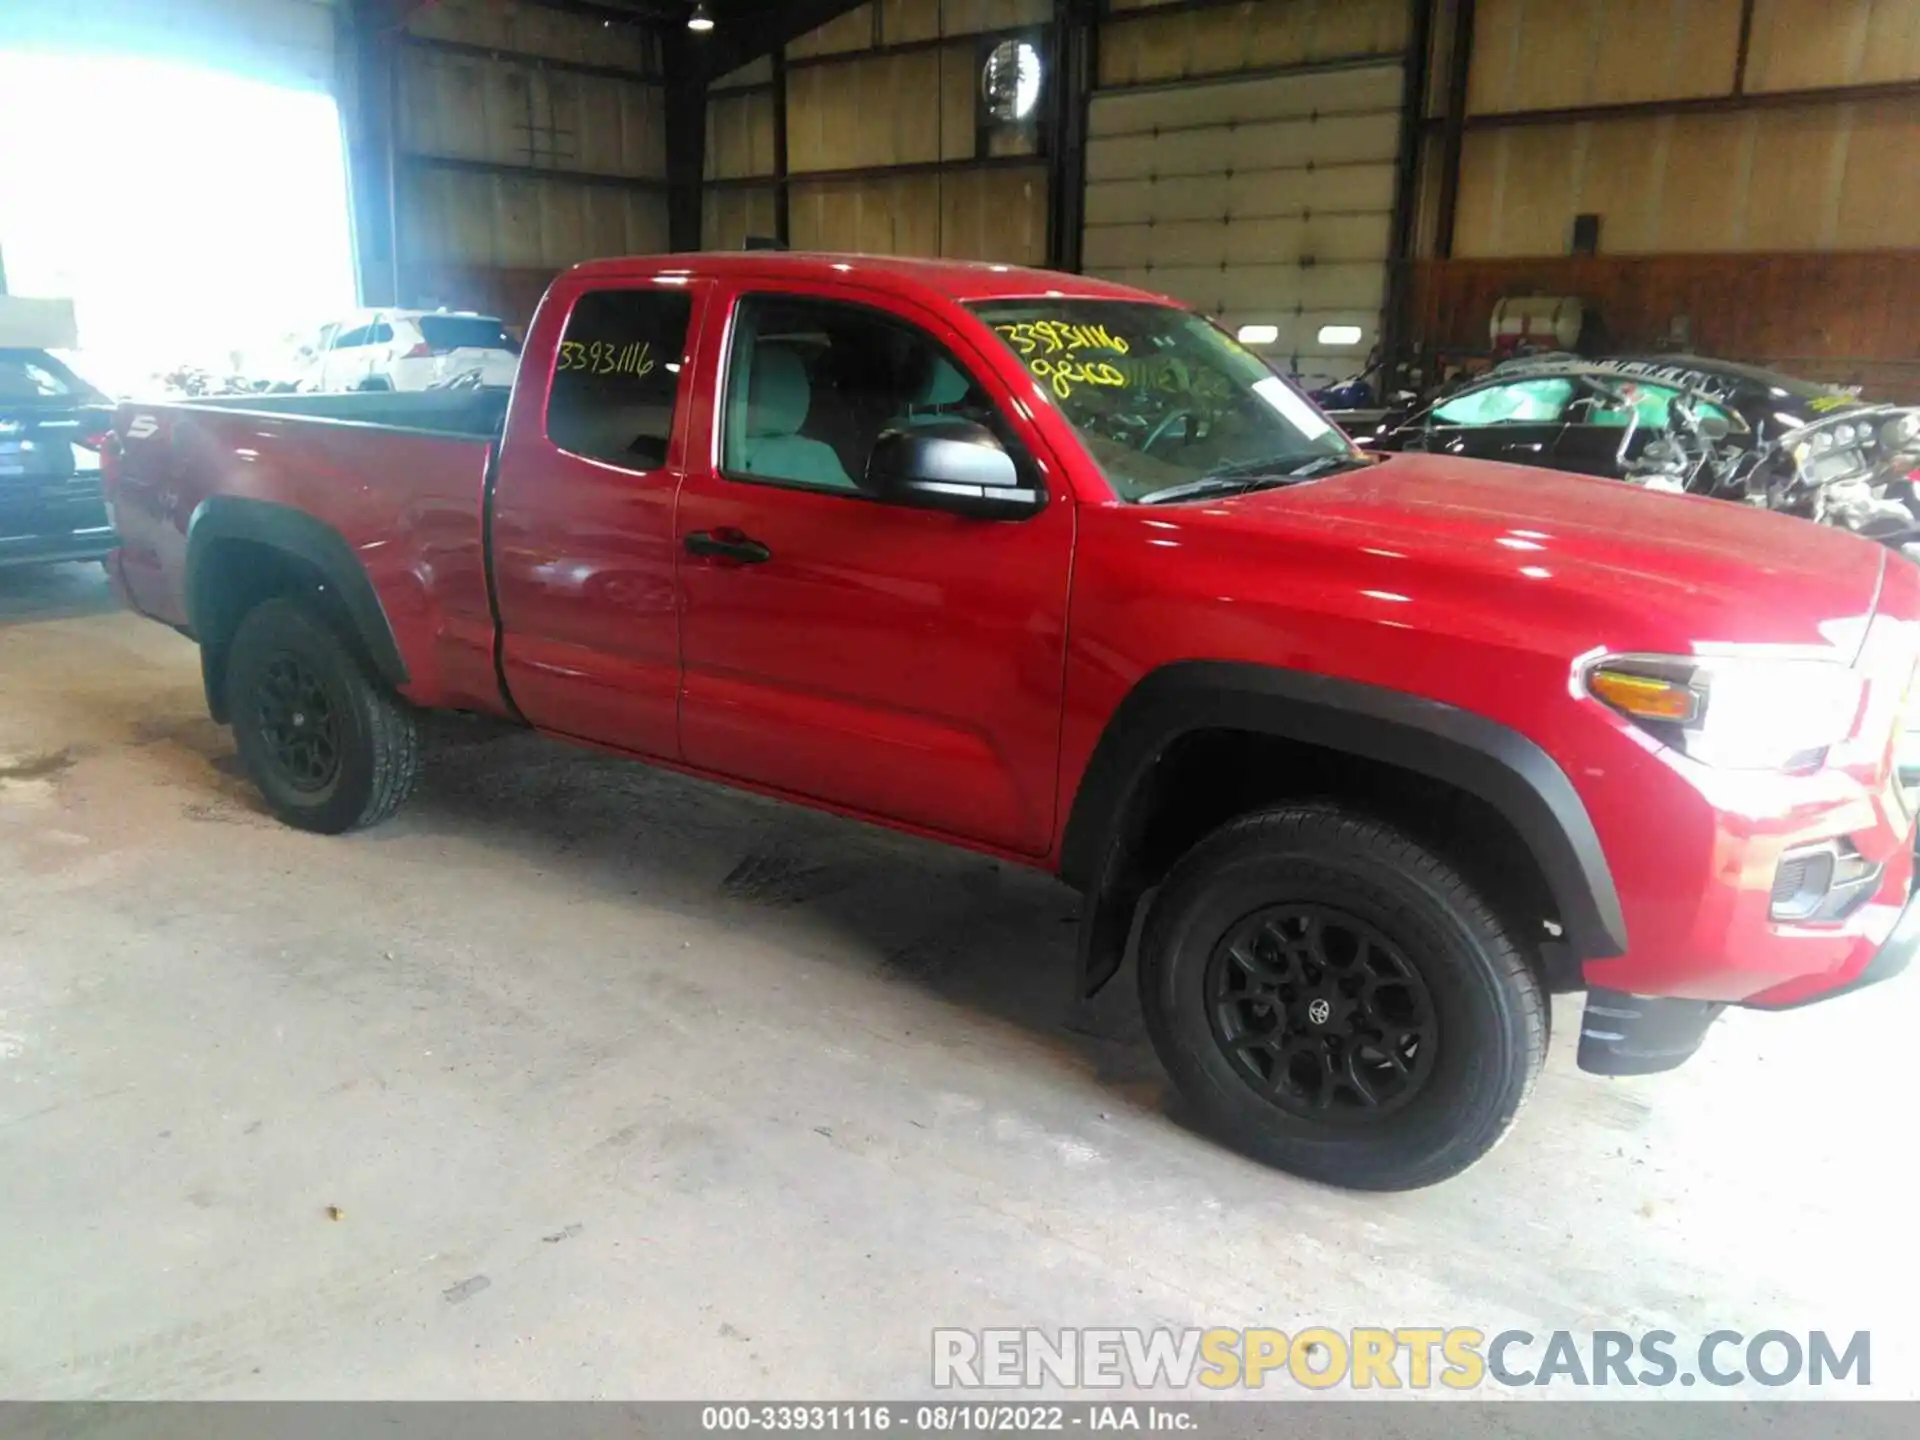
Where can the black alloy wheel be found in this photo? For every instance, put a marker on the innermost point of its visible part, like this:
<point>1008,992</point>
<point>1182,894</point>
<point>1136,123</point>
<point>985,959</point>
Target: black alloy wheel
<point>1336,999</point>
<point>298,722</point>
<point>330,745</point>
<point>1322,1013</point>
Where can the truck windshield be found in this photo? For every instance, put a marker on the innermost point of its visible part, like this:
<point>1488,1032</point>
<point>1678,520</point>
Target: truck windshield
<point>1168,406</point>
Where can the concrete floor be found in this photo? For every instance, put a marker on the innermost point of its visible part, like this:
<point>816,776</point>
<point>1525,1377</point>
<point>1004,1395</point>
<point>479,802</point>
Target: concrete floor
<point>579,1080</point>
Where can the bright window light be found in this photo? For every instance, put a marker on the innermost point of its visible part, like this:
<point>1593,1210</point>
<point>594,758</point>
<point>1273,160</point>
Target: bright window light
<point>1340,334</point>
<point>1258,334</point>
<point>135,212</point>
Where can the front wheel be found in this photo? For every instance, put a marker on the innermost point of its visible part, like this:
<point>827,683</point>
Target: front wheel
<point>331,748</point>
<point>1337,1001</point>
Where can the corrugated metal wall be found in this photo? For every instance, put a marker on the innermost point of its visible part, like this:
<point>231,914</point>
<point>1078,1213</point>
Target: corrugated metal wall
<point>530,139</point>
<point>1264,197</point>
<point>885,152</point>
<point>1826,176</point>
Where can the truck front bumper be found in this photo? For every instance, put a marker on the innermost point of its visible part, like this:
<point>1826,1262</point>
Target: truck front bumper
<point>1622,1034</point>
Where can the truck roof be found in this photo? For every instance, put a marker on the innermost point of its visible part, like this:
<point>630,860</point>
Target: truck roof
<point>947,279</point>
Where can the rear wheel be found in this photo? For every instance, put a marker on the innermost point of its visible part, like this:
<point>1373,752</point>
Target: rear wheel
<point>1337,1001</point>
<point>331,747</point>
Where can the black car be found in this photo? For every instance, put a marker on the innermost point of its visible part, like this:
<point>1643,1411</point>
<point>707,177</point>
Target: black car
<point>1564,413</point>
<point>51,426</point>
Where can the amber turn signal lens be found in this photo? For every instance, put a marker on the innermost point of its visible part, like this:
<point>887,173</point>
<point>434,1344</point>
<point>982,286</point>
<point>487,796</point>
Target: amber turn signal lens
<point>1646,697</point>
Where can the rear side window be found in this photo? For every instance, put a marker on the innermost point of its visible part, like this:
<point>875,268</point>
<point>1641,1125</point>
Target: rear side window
<point>617,375</point>
<point>33,375</point>
<point>464,332</point>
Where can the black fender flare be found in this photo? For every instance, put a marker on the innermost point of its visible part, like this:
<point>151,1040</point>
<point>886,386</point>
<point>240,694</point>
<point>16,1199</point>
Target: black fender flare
<point>321,550</point>
<point>1468,751</point>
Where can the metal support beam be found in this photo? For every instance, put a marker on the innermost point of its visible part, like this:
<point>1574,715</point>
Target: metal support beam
<point>1454,120</point>
<point>1743,48</point>
<point>527,60</point>
<point>634,14</point>
<point>1075,38</point>
<point>413,160</point>
<point>368,46</point>
<point>1696,105</point>
<point>686,124</point>
<point>733,45</point>
<point>1406,188</point>
<point>876,172</point>
<point>782,208</point>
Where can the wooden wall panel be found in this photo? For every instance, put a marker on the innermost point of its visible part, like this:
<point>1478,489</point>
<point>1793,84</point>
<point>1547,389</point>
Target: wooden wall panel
<point>754,72</point>
<point>1842,316</point>
<point>1820,177</point>
<point>892,215</point>
<point>1798,44</point>
<point>875,110</point>
<point>1260,34</point>
<point>851,31</point>
<point>998,215</point>
<point>966,213</point>
<point>729,215</point>
<point>739,135</point>
<point>1877,207</point>
<point>1551,54</point>
<point>1703,190</point>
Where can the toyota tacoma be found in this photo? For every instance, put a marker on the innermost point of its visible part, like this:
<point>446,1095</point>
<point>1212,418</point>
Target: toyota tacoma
<point>1362,757</point>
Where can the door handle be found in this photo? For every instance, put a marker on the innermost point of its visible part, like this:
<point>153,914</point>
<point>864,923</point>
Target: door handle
<point>727,544</point>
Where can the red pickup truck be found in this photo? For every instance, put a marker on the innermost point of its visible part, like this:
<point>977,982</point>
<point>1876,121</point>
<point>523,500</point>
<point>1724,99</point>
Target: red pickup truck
<point>1372,755</point>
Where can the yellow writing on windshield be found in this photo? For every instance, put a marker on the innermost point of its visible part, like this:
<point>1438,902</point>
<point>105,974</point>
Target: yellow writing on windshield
<point>1063,375</point>
<point>606,357</point>
<point>1053,352</point>
<point>1823,403</point>
<point>1053,337</point>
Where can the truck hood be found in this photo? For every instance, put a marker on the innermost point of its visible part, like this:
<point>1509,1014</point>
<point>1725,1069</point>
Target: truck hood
<point>1480,534</point>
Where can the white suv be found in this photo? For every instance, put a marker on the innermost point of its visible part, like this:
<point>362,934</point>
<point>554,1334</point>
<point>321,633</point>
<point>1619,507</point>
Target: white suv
<point>410,350</point>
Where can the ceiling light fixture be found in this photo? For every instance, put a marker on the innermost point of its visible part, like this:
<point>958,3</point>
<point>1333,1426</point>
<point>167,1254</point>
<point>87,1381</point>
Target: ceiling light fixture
<point>701,20</point>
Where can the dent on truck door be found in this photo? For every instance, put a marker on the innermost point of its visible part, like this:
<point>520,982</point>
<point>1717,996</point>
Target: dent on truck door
<point>583,545</point>
<point>904,663</point>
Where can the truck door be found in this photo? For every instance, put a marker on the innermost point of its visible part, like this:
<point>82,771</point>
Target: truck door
<point>582,515</point>
<point>903,663</point>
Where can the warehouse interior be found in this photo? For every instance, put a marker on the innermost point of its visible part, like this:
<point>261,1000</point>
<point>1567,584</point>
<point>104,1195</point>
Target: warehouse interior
<point>1727,148</point>
<point>587,1079</point>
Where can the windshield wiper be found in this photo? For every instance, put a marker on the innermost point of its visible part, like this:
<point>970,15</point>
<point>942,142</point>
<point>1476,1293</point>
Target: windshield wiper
<point>1250,475</point>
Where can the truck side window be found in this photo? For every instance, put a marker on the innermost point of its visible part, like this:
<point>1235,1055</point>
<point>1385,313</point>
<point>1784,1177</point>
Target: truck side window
<point>812,383</point>
<point>616,376</point>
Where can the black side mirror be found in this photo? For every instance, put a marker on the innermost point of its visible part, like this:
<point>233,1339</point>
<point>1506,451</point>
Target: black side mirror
<point>952,465</point>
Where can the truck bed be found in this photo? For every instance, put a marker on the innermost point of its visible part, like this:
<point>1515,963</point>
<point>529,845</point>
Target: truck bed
<point>400,479</point>
<point>480,413</point>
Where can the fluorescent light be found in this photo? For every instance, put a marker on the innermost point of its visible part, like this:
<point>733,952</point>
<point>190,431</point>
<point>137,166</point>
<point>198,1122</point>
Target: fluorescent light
<point>1258,334</point>
<point>1340,334</point>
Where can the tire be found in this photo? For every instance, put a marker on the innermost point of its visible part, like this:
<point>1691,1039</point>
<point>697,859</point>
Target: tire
<point>1417,998</point>
<point>330,747</point>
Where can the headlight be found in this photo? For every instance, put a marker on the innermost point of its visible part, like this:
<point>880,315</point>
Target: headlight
<point>1901,433</point>
<point>1843,434</point>
<point>1735,714</point>
<point>1822,440</point>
